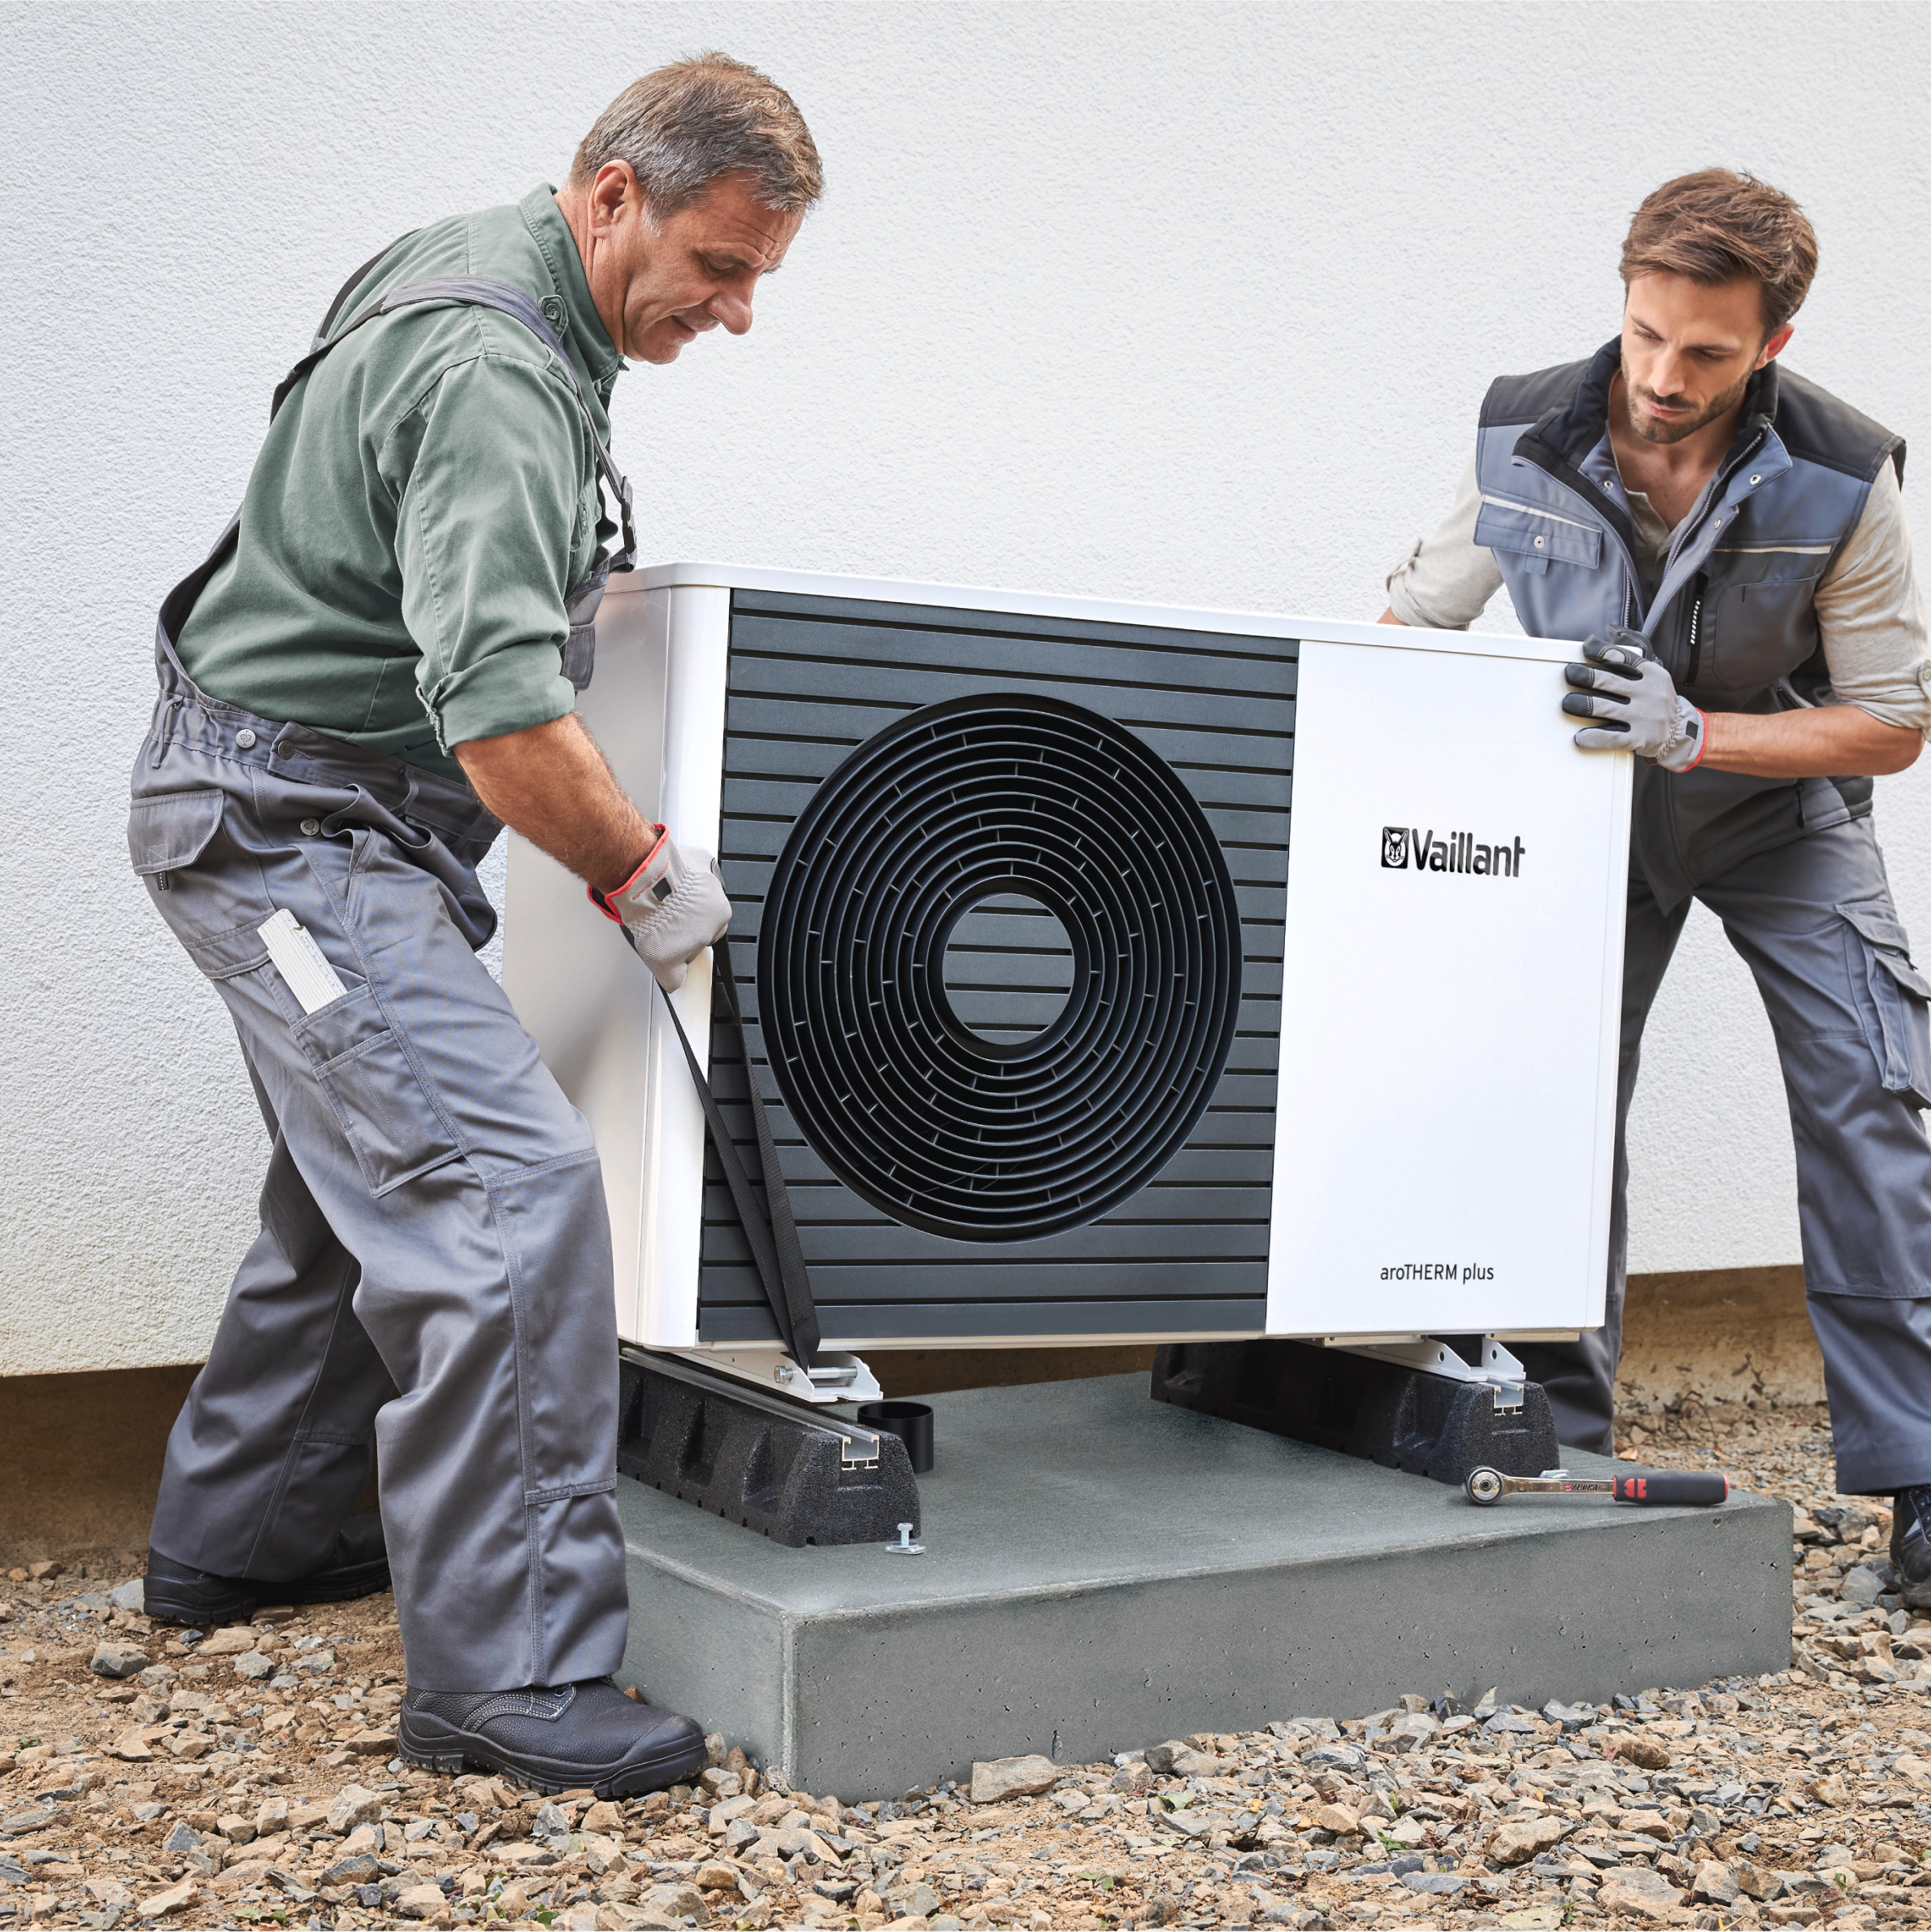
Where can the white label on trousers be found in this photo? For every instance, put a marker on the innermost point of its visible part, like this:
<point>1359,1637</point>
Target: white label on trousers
<point>300,962</point>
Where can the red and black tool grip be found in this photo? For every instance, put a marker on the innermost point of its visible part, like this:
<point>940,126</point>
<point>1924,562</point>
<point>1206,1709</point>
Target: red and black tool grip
<point>1702,1487</point>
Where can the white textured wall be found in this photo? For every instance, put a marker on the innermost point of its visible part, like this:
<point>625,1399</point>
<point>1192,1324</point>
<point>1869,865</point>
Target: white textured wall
<point>1176,302</point>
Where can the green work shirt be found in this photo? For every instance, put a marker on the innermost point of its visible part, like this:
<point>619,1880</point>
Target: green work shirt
<point>423,503</point>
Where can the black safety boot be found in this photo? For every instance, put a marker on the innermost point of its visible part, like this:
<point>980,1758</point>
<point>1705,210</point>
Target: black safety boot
<point>356,1566</point>
<point>1911,1545</point>
<point>555,1737</point>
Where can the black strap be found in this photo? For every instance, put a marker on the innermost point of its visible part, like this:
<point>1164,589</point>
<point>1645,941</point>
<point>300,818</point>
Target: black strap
<point>350,286</point>
<point>770,1230</point>
<point>484,292</point>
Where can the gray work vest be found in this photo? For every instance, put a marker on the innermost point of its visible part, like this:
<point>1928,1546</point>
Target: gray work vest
<point>1734,618</point>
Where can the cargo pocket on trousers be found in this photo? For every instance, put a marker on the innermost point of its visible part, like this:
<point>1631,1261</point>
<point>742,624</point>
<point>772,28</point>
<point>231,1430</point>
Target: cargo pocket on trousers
<point>168,833</point>
<point>1900,1001</point>
<point>211,904</point>
<point>365,1069</point>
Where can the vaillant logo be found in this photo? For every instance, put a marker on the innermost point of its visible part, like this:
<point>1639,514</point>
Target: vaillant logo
<point>1407,847</point>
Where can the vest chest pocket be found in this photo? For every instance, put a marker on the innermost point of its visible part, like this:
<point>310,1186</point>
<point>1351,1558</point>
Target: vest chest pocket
<point>1760,619</point>
<point>1534,538</point>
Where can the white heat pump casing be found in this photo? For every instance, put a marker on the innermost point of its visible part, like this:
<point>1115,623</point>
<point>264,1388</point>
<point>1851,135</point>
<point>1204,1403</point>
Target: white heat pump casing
<point>1447,1041</point>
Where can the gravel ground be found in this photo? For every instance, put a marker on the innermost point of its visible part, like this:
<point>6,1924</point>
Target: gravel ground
<point>252,1779</point>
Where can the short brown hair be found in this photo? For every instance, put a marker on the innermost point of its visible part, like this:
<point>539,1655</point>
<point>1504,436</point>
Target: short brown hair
<point>683,126</point>
<point>1717,227</point>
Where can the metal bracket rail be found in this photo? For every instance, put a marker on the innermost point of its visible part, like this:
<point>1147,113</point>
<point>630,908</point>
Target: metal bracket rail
<point>833,1377</point>
<point>1431,1355</point>
<point>861,1444</point>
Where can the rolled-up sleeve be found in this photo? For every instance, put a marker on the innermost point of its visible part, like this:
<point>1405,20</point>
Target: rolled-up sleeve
<point>490,469</point>
<point>1871,617</point>
<point>1444,582</point>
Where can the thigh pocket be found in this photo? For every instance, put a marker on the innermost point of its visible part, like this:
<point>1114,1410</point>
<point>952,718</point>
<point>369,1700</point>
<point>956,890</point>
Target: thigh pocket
<point>1899,998</point>
<point>385,1110</point>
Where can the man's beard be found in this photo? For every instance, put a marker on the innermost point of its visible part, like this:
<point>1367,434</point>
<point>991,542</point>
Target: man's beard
<point>1654,430</point>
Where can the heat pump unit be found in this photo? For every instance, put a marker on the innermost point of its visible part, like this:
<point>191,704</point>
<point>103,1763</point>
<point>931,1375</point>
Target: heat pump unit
<point>1112,973</point>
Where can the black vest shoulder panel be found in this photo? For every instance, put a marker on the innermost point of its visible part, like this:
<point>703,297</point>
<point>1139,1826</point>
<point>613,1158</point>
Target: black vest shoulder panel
<point>1816,428</point>
<point>1529,398</point>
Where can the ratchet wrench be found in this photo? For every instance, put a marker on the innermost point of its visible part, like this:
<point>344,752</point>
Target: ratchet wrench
<point>1700,1486</point>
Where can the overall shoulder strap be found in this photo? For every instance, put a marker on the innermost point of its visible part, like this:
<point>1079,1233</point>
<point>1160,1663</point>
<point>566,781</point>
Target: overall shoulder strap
<point>484,292</point>
<point>350,286</point>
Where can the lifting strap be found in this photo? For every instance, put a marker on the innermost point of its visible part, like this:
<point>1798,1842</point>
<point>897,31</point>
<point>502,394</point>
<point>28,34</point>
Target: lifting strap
<point>771,1229</point>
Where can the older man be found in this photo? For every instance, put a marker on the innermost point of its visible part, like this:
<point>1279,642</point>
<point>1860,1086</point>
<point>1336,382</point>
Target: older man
<point>374,670</point>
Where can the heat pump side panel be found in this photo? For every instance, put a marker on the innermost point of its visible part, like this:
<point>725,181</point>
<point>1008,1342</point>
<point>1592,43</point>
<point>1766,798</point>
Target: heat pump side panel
<point>597,1020</point>
<point>1448,1054</point>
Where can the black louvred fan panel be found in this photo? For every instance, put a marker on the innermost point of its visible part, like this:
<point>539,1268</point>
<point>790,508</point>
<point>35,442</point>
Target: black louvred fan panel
<point>1055,1115</point>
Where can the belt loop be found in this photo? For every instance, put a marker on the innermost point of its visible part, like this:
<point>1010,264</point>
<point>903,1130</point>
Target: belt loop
<point>164,736</point>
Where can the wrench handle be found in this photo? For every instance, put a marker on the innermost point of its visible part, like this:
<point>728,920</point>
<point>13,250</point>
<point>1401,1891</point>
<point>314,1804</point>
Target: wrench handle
<point>1698,1487</point>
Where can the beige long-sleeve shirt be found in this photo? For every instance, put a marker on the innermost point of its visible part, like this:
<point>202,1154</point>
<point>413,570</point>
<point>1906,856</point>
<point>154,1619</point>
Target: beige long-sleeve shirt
<point>1869,610</point>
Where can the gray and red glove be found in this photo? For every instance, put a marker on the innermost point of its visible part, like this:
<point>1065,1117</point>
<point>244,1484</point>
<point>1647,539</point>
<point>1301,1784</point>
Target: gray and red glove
<point>673,906</point>
<point>1638,700</point>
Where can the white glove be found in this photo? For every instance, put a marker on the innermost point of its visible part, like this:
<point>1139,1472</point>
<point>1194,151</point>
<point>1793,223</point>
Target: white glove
<point>673,906</point>
<point>1650,718</point>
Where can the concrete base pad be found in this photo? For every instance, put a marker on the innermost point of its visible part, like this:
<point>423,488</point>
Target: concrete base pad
<point>1104,1572</point>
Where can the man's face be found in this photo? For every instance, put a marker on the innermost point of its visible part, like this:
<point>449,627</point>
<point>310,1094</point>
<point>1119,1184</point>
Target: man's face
<point>658,288</point>
<point>1689,352</point>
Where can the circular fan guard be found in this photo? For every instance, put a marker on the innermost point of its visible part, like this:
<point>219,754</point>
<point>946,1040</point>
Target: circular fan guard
<point>918,1115</point>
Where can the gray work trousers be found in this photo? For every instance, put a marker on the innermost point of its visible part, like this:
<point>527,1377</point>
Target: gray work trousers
<point>1814,921</point>
<point>434,1260</point>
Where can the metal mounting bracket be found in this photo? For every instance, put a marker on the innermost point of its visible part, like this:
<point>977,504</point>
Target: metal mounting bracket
<point>1429,1355</point>
<point>832,1378</point>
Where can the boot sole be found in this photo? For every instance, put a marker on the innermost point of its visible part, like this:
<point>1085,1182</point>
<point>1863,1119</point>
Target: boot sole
<point>1915,1594</point>
<point>198,1613</point>
<point>440,1748</point>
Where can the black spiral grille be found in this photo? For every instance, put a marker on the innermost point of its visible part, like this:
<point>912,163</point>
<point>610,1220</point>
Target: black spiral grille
<point>931,1123</point>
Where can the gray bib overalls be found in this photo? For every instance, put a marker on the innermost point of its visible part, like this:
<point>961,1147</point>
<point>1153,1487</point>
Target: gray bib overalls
<point>434,1259</point>
<point>1791,868</point>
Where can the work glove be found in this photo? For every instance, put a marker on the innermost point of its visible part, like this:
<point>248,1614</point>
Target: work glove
<point>673,906</point>
<point>1634,690</point>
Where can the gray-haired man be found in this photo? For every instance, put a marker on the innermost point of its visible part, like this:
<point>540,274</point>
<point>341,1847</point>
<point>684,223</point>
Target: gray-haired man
<point>374,670</point>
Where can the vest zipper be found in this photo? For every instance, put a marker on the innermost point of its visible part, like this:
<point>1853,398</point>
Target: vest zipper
<point>1696,632</point>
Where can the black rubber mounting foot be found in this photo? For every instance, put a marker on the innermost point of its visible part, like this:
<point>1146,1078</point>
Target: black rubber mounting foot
<point>1403,1418</point>
<point>788,1476</point>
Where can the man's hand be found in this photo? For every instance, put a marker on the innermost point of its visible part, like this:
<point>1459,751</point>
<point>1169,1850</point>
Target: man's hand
<point>1821,741</point>
<point>674,906</point>
<point>550,783</point>
<point>1637,700</point>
